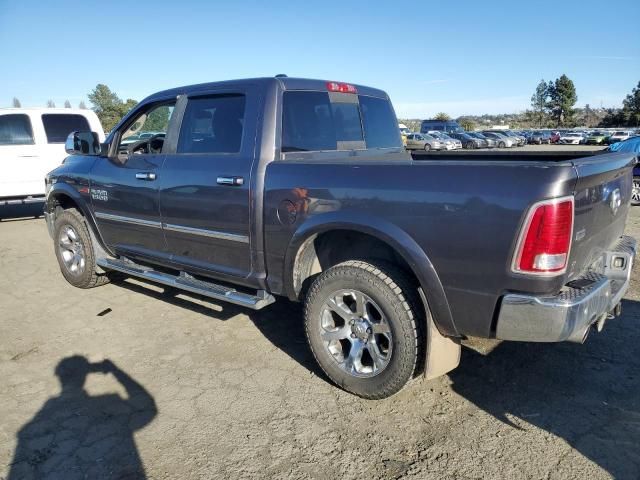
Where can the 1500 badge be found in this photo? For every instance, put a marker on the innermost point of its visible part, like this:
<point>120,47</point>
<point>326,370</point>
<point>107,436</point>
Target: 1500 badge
<point>101,195</point>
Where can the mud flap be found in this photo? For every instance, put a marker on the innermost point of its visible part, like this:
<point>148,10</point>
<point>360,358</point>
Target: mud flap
<point>442,353</point>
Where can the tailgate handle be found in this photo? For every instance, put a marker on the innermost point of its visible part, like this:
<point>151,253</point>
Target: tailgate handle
<point>231,181</point>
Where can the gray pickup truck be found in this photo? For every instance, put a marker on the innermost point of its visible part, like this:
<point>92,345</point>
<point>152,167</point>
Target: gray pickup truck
<point>250,190</point>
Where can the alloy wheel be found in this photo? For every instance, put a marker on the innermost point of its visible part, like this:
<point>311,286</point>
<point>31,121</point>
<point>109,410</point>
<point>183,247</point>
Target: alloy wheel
<point>71,250</point>
<point>356,333</point>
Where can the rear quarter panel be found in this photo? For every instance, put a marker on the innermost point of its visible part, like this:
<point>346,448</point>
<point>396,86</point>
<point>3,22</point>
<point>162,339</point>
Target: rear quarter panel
<point>464,215</point>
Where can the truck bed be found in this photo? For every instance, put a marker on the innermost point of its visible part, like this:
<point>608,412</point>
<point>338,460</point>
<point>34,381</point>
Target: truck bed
<point>506,155</point>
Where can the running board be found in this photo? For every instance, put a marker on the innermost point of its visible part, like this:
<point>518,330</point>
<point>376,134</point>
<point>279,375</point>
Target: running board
<point>186,282</point>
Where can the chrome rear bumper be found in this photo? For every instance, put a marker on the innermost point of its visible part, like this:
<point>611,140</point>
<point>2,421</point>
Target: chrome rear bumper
<point>569,315</point>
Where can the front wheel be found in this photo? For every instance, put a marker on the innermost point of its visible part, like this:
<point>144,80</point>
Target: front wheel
<point>74,250</point>
<point>502,145</point>
<point>635,191</point>
<point>362,326</point>
<point>427,147</point>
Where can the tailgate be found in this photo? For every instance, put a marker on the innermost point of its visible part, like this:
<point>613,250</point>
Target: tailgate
<point>602,201</point>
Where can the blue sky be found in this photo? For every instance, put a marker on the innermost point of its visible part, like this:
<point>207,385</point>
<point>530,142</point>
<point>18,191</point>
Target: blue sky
<point>457,57</point>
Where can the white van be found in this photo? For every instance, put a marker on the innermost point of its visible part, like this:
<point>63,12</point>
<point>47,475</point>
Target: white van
<point>32,144</point>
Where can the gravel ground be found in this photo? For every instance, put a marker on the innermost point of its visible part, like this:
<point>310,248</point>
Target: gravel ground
<point>191,389</point>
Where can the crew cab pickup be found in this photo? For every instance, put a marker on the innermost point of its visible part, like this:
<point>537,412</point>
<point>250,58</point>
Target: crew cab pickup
<point>251,190</point>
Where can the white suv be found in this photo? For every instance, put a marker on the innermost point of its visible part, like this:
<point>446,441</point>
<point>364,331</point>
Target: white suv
<point>32,144</point>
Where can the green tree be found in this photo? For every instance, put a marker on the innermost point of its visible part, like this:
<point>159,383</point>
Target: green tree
<point>82,105</point>
<point>468,125</point>
<point>588,115</point>
<point>442,116</point>
<point>539,102</point>
<point>16,103</point>
<point>51,104</point>
<point>67,104</point>
<point>631,107</point>
<point>562,98</point>
<point>613,118</point>
<point>108,106</point>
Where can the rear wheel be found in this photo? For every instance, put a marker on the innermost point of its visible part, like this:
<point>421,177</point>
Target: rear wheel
<point>635,192</point>
<point>361,324</point>
<point>74,250</point>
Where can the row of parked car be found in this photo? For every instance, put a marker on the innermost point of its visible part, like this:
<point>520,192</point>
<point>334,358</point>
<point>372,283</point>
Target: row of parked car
<point>449,135</point>
<point>437,140</point>
<point>574,137</point>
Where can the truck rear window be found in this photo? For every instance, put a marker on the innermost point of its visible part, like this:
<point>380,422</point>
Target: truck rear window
<point>379,121</point>
<point>312,122</point>
<point>58,126</point>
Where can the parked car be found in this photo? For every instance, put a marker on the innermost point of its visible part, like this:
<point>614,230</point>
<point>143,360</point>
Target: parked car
<point>631,145</point>
<point>597,138</point>
<point>258,192</point>
<point>488,142</point>
<point>540,137</point>
<point>619,136</point>
<point>572,138</point>
<point>445,126</point>
<point>423,141</point>
<point>554,137</point>
<point>467,140</point>
<point>449,142</point>
<point>501,140</point>
<point>32,144</point>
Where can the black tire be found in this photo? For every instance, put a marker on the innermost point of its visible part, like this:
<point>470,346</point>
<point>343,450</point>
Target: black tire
<point>502,145</point>
<point>84,276</point>
<point>391,291</point>
<point>427,147</point>
<point>635,192</point>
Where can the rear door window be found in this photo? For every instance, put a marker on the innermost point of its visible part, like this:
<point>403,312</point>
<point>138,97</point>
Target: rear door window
<point>58,126</point>
<point>15,129</point>
<point>212,125</point>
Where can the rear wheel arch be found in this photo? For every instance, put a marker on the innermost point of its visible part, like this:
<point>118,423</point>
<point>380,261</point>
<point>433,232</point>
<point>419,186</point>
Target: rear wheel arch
<point>313,251</point>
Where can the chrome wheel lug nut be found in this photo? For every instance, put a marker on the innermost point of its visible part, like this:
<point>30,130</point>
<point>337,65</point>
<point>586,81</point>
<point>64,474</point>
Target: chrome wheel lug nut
<point>353,335</point>
<point>369,331</point>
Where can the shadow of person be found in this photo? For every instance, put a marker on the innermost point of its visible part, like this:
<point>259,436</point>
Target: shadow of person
<point>588,395</point>
<point>76,435</point>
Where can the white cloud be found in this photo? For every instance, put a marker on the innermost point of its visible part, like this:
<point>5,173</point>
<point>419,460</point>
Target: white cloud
<point>606,57</point>
<point>434,82</point>
<point>462,107</point>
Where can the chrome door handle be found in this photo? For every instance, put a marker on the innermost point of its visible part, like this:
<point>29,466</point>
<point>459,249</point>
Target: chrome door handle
<point>149,176</point>
<point>231,181</point>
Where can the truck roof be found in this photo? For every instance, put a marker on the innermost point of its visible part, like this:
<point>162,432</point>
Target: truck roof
<point>80,111</point>
<point>285,83</point>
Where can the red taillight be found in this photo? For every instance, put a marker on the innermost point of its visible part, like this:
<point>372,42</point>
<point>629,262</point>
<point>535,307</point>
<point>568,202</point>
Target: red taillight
<point>341,87</point>
<point>546,238</point>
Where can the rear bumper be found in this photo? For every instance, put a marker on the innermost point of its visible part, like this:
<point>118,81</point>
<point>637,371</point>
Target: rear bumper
<point>569,315</point>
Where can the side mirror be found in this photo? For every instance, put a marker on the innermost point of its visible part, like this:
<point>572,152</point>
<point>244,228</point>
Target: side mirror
<point>83,143</point>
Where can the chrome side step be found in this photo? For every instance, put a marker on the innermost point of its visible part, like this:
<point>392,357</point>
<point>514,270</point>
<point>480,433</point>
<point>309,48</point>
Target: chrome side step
<point>186,282</point>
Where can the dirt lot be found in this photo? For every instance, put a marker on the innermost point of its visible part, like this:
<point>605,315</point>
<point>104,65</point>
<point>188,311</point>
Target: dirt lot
<point>198,390</point>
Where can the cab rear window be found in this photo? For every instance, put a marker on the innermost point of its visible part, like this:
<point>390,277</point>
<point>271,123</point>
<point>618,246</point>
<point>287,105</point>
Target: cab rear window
<point>312,122</point>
